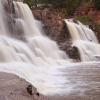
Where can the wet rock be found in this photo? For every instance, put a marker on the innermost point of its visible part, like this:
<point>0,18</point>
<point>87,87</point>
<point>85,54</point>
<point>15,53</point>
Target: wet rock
<point>37,94</point>
<point>71,51</point>
<point>56,29</point>
<point>32,90</point>
<point>29,89</point>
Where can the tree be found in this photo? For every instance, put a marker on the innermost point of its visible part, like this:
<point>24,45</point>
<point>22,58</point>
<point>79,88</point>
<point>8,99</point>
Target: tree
<point>29,2</point>
<point>71,6</point>
<point>58,3</point>
<point>97,4</point>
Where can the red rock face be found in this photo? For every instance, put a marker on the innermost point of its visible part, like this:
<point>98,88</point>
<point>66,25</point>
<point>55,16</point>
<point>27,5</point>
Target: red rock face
<point>55,28</point>
<point>51,19</point>
<point>89,10</point>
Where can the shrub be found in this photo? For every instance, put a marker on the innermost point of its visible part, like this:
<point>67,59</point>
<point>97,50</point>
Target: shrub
<point>84,19</point>
<point>97,4</point>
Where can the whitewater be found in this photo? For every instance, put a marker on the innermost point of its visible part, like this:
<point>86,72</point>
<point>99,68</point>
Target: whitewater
<point>34,56</point>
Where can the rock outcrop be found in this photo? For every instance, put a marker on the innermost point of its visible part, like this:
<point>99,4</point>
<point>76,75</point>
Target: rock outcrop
<point>52,21</point>
<point>14,88</point>
<point>89,10</point>
<point>55,27</point>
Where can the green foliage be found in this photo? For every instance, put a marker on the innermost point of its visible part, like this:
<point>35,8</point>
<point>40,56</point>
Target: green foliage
<point>97,26</point>
<point>58,3</point>
<point>97,4</point>
<point>84,19</point>
<point>29,2</point>
<point>71,6</point>
<point>42,1</point>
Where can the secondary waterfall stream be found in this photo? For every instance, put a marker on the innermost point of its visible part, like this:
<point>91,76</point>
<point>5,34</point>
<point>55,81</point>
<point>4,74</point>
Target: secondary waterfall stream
<point>85,40</point>
<point>33,56</point>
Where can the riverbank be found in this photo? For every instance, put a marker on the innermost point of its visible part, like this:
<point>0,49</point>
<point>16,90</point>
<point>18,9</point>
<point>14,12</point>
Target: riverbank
<point>83,83</point>
<point>14,88</point>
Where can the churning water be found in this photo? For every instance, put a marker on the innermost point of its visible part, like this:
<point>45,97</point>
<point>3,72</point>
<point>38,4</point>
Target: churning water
<point>85,40</point>
<point>38,59</point>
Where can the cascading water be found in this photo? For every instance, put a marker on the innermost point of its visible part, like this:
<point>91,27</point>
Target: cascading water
<point>33,56</point>
<point>3,27</point>
<point>85,40</point>
<point>36,59</point>
<point>79,31</point>
<point>24,13</point>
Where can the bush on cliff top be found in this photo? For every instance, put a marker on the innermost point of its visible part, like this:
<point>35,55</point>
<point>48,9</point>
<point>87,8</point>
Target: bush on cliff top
<point>84,19</point>
<point>29,2</point>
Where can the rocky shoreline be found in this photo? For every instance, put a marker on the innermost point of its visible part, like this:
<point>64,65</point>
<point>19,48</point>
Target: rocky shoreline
<point>14,88</point>
<point>83,84</point>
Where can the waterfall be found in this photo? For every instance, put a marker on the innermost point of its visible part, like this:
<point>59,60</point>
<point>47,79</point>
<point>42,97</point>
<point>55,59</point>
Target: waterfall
<point>36,58</point>
<point>78,31</point>
<point>24,13</point>
<point>30,54</point>
<point>3,26</point>
<point>85,40</point>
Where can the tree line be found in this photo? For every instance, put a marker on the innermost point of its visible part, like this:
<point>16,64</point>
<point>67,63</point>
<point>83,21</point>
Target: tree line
<point>69,5</point>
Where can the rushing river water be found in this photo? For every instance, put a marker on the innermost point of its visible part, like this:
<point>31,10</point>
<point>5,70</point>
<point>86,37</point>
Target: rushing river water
<point>38,59</point>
